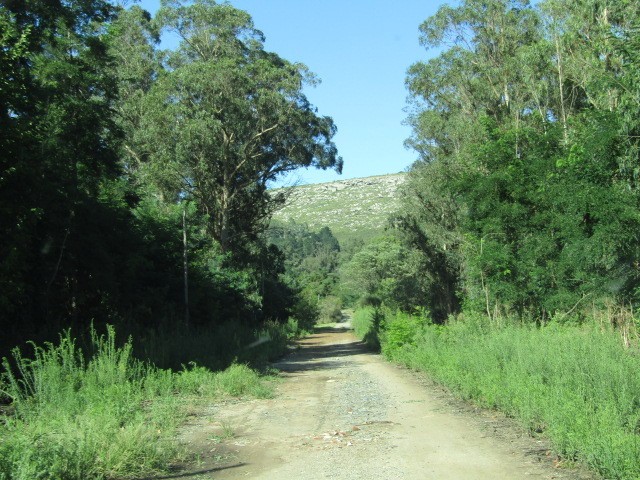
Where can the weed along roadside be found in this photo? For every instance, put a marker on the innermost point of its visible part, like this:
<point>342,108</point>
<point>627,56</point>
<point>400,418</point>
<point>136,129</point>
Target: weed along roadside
<point>576,386</point>
<point>102,413</point>
<point>335,408</point>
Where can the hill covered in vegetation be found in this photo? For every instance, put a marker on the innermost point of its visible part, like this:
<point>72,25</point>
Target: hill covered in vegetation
<point>355,208</point>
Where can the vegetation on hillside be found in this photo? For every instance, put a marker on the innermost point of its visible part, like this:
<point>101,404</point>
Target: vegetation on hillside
<point>354,210</point>
<point>311,266</point>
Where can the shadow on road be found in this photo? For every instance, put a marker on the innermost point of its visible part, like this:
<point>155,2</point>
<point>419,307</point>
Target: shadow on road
<point>195,473</point>
<point>324,350</point>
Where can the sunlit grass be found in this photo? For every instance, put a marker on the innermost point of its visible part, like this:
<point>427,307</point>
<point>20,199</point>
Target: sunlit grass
<point>578,385</point>
<point>107,415</point>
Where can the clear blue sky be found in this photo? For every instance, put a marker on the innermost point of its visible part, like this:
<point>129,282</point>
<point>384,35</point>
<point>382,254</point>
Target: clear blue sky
<point>360,49</point>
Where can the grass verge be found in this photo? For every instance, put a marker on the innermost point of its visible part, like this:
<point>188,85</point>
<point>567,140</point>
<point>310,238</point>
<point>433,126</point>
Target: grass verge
<point>104,415</point>
<point>576,384</point>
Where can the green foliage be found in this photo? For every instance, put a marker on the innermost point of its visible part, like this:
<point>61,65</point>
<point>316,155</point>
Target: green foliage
<point>523,200</point>
<point>220,121</point>
<point>237,381</point>
<point>305,313</point>
<point>216,347</point>
<point>367,324</point>
<point>429,225</point>
<point>578,385</point>
<point>386,330</point>
<point>400,331</point>
<point>330,309</point>
<point>120,198</point>
<point>58,148</point>
<point>310,258</point>
<point>310,263</point>
<point>77,420</point>
<point>386,269</point>
<point>109,416</point>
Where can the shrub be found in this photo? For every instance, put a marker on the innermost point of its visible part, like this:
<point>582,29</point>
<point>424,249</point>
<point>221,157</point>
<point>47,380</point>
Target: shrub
<point>84,419</point>
<point>330,309</point>
<point>306,313</point>
<point>367,323</point>
<point>106,416</point>
<point>400,330</point>
<point>215,348</point>
<point>236,381</point>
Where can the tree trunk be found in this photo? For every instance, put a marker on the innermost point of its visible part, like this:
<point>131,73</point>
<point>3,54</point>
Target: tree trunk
<point>185,266</point>
<point>225,206</point>
<point>563,111</point>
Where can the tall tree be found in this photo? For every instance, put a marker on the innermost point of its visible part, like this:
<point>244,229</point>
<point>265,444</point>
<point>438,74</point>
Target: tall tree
<point>226,117</point>
<point>57,152</point>
<point>527,139</point>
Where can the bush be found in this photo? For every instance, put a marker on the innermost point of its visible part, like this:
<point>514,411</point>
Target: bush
<point>93,419</point>
<point>369,301</point>
<point>367,324</point>
<point>306,313</point>
<point>400,330</point>
<point>236,381</point>
<point>330,309</point>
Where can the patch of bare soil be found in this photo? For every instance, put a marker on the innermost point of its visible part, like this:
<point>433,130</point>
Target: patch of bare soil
<point>341,412</point>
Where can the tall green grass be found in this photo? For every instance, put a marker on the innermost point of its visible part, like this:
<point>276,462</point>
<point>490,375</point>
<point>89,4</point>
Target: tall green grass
<point>577,384</point>
<point>104,415</point>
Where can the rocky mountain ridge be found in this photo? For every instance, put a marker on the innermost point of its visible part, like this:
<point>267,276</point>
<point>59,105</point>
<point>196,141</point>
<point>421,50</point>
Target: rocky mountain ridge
<point>354,208</point>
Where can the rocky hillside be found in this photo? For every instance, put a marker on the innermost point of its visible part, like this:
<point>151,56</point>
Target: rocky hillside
<point>356,208</point>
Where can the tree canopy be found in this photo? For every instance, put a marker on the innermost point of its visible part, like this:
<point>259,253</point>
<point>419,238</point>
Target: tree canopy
<point>124,167</point>
<point>225,118</point>
<point>525,195</point>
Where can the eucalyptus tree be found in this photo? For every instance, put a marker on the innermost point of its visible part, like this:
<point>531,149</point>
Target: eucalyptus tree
<point>133,40</point>
<point>593,42</point>
<point>525,125</point>
<point>225,117</point>
<point>476,86</point>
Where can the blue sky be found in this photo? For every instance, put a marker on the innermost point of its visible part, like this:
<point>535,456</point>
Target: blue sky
<point>360,49</point>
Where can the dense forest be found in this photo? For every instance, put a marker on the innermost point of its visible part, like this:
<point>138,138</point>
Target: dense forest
<point>134,179</point>
<point>525,198</point>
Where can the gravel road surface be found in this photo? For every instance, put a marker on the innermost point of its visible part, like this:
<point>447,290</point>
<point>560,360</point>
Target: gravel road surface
<point>341,412</point>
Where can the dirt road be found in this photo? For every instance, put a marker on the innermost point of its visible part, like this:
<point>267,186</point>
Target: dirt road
<point>343,413</point>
